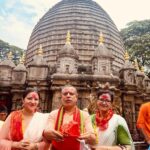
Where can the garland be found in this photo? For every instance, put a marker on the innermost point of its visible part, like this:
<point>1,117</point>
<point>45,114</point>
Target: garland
<point>71,131</point>
<point>77,118</point>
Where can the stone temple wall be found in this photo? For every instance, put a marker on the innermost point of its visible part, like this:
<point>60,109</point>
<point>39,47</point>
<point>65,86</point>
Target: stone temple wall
<point>131,87</point>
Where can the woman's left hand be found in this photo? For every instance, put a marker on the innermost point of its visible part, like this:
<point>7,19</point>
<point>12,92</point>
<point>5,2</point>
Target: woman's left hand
<point>89,138</point>
<point>32,146</point>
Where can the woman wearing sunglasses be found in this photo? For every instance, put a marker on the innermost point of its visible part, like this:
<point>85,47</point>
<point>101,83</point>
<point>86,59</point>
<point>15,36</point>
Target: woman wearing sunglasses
<point>111,129</point>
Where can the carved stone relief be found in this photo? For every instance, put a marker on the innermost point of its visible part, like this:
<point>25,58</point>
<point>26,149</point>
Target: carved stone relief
<point>129,77</point>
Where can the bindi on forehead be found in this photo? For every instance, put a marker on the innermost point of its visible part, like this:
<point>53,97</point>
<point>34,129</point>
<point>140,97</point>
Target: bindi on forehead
<point>105,97</point>
<point>34,95</point>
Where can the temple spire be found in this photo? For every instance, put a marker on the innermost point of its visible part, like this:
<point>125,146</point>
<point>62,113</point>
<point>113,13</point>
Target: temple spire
<point>9,55</point>
<point>136,65</point>
<point>126,56</point>
<point>40,50</point>
<point>68,38</point>
<point>142,69</point>
<point>101,38</point>
<point>22,59</point>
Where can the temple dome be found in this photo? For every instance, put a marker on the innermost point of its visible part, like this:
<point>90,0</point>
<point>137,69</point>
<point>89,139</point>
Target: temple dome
<point>8,62</point>
<point>68,50</point>
<point>20,67</point>
<point>102,51</point>
<point>85,19</point>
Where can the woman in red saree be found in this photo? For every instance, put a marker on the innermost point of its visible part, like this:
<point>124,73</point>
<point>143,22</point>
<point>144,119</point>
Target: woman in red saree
<point>23,129</point>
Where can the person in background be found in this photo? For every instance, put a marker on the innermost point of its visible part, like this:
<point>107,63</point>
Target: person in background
<point>3,114</point>
<point>23,128</point>
<point>111,129</point>
<point>69,127</point>
<point>143,121</point>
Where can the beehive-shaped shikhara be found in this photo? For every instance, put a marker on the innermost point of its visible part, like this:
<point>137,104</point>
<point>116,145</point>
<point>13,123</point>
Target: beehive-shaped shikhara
<point>85,19</point>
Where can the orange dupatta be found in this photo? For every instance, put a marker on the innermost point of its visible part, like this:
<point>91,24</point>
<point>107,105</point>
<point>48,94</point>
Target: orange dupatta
<point>71,131</point>
<point>16,126</point>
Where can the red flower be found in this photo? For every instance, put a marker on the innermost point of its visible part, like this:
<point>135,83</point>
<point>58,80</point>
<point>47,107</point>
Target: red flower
<point>70,129</point>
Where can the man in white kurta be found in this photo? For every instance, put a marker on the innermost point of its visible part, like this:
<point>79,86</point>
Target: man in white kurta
<point>67,116</point>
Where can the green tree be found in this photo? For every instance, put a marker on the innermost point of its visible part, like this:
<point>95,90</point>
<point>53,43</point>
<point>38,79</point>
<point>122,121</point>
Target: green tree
<point>5,48</point>
<point>136,39</point>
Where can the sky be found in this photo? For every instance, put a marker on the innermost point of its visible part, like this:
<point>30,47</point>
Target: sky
<point>18,17</point>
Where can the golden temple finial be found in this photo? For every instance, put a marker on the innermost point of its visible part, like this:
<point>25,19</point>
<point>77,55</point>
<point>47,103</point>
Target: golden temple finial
<point>101,38</point>
<point>126,56</point>
<point>68,38</point>
<point>40,50</point>
<point>22,59</point>
<point>9,55</point>
<point>136,64</point>
<point>142,69</point>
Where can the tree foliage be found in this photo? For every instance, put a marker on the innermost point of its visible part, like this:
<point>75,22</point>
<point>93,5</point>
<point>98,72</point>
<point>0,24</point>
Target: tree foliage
<point>136,39</point>
<point>5,48</point>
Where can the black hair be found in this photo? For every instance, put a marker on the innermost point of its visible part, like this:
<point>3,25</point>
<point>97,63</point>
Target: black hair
<point>3,109</point>
<point>29,91</point>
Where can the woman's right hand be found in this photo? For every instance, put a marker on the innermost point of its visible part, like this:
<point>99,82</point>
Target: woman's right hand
<point>53,135</point>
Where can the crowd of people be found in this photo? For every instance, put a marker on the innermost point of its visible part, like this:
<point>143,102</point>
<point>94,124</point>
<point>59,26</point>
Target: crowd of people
<point>68,128</point>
